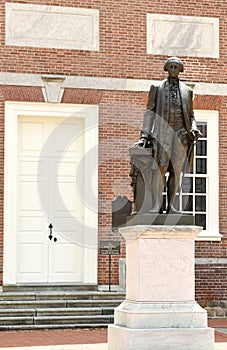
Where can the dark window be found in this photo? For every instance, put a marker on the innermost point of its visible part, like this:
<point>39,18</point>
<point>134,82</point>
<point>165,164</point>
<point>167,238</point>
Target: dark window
<point>194,186</point>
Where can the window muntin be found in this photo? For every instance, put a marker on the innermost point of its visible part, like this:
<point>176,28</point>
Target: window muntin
<point>194,195</point>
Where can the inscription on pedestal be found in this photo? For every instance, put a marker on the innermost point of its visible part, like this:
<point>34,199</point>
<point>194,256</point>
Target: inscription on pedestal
<point>179,258</point>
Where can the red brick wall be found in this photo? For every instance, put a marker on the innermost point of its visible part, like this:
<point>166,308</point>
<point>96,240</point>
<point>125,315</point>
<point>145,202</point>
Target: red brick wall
<point>21,93</point>
<point>211,281</point>
<point>122,43</point>
<point>123,54</point>
<point>120,120</point>
<point>121,116</point>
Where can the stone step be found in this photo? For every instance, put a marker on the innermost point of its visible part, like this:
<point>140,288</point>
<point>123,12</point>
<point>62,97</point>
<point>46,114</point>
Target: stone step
<point>56,312</point>
<point>18,313</point>
<point>26,304</point>
<point>104,319</point>
<point>24,320</point>
<point>57,309</point>
<point>56,320</point>
<point>51,326</point>
<point>50,286</point>
<point>62,295</point>
<point>17,296</point>
<point>41,304</point>
<point>81,295</point>
<point>88,303</point>
<point>75,311</point>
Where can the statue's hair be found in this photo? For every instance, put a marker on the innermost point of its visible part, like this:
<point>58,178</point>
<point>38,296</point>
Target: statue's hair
<point>174,60</point>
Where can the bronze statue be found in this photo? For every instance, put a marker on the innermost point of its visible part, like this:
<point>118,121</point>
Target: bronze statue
<point>169,128</point>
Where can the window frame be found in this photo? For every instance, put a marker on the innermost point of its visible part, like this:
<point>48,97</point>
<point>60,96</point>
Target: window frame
<point>211,117</point>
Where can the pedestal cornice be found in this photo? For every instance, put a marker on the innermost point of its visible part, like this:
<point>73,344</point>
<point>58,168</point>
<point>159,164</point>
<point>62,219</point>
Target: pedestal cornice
<point>159,232</point>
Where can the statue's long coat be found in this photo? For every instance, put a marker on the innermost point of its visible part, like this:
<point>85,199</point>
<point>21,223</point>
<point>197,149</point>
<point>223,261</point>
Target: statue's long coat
<point>156,116</point>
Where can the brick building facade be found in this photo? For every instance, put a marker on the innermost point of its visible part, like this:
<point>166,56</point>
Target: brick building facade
<point>61,56</point>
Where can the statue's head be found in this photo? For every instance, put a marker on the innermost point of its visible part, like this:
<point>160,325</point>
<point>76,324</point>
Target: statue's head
<point>175,61</point>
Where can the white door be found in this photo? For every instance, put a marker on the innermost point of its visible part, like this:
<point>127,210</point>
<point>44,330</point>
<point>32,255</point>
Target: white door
<point>48,194</point>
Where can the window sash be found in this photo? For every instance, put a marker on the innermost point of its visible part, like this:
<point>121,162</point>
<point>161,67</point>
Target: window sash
<point>212,175</point>
<point>211,210</point>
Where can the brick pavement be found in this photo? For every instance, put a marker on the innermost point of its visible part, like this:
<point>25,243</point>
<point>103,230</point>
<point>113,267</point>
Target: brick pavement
<point>70,347</point>
<point>217,324</point>
<point>52,337</point>
<point>77,336</point>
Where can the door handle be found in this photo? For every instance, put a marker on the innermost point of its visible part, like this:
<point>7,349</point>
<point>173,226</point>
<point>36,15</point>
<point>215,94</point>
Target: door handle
<point>50,235</point>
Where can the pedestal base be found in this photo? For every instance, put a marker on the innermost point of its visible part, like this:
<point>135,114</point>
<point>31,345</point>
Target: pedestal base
<point>160,315</point>
<point>122,338</point>
<point>160,311</point>
<point>159,326</point>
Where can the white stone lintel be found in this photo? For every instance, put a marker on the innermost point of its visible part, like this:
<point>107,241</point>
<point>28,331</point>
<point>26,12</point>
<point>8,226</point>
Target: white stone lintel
<point>105,83</point>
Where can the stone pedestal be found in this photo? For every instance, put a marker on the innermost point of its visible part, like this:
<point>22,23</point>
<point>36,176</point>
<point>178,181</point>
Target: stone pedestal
<point>160,312</point>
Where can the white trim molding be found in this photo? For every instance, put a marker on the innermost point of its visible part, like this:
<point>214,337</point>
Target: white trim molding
<point>102,83</point>
<point>212,119</point>
<point>14,110</point>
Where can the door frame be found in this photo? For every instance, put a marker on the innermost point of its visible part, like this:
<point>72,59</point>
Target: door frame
<point>13,110</point>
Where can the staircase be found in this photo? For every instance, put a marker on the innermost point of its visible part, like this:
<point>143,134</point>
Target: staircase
<point>27,308</point>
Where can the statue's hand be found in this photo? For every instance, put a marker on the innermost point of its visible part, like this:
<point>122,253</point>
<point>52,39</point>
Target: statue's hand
<point>196,133</point>
<point>143,141</point>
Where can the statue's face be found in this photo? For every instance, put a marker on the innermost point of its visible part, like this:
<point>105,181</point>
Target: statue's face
<point>173,70</point>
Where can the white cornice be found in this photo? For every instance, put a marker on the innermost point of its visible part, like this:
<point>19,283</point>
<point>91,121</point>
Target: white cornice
<point>123,84</point>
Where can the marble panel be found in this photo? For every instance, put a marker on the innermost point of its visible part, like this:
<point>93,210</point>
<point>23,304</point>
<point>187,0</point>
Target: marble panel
<point>182,35</point>
<point>163,270</point>
<point>52,26</point>
<point>160,262</point>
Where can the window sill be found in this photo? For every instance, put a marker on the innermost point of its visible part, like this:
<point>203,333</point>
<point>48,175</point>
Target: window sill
<point>206,236</point>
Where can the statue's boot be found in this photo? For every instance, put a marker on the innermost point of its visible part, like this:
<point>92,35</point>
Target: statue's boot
<point>172,186</point>
<point>157,189</point>
<point>172,210</point>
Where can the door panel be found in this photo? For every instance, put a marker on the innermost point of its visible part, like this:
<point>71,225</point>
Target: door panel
<point>65,261</point>
<point>40,259</point>
<point>31,137</point>
<point>32,233</point>
<point>30,262</point>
